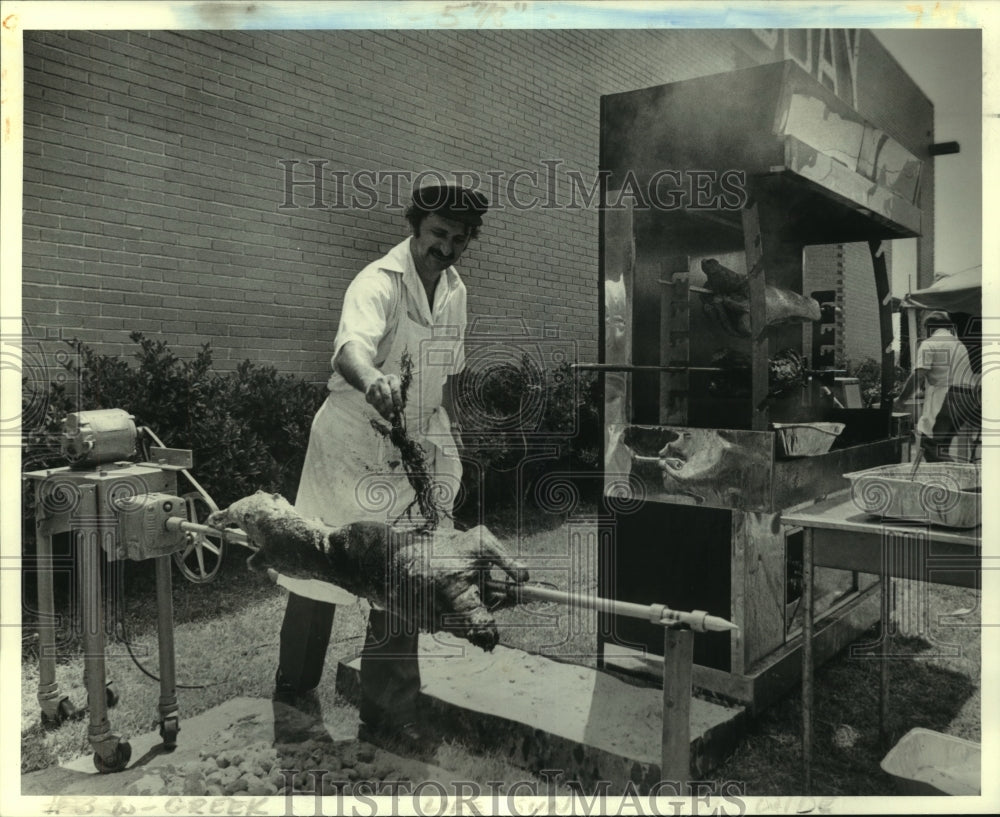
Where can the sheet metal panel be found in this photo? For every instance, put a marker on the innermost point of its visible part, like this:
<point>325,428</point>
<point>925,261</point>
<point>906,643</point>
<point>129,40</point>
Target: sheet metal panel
<point>707,467</point>
<point>770,120</point>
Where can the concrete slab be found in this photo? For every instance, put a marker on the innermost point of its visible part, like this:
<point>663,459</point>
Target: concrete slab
<point>248,725</point>
<point>545,714</point>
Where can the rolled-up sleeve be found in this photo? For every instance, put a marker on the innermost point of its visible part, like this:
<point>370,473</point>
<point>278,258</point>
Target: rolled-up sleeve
<point>925,356</point>
<point>460,318</point>
<point>367,309</point>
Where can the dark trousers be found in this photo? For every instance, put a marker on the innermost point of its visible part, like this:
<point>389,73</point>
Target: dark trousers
<point>962,407</point>
<point>390,674</point>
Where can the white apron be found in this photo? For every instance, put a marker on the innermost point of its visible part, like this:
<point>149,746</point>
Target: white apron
<point>351,472</point>
<point>946,364</point>
<point>933,401</point>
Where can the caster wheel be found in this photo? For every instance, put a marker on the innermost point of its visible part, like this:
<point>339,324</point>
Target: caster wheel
<point>168,731</point>
<point>111,694</point>
<point>66,711</point>
<point>51,721</point>
<point>123,753</point>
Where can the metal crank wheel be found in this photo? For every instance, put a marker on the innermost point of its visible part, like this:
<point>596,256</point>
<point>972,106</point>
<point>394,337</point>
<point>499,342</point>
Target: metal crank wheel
<point>201,558</point>
<point>120,759</point>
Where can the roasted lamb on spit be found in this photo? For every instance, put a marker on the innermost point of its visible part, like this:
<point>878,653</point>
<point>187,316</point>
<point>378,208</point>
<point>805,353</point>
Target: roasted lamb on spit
<point>432,578</point>
<point>726,298</point>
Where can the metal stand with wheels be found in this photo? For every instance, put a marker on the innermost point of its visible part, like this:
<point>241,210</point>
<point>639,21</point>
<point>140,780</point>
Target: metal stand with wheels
<point>113,509</point>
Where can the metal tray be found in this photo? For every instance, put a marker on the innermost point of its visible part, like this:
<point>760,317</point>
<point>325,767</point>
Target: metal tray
<point>806,439</point>
<point>940,493</point>
<point>927,762</point>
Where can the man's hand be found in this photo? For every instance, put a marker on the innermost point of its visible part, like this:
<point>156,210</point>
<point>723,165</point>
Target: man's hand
<point>384,394</point>
<point>382,391</point>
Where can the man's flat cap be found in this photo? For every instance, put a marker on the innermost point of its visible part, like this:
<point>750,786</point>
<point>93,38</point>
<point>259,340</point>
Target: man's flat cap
<point>452,202</point>
<point>937,318</point>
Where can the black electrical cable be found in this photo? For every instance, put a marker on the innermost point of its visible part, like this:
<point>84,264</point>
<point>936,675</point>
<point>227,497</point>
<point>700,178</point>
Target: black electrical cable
<point>120,616</point>
<point>123,635</point>
<point>120,619</point>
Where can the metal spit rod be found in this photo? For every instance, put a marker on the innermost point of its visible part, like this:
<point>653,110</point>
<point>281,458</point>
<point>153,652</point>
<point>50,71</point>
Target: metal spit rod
<point>229,534</point>
<point>622,367</point>
<point>697,620</point>
<point>648,367</point>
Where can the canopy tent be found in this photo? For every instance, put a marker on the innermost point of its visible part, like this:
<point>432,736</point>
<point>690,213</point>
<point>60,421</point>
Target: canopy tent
<point>961,292</point>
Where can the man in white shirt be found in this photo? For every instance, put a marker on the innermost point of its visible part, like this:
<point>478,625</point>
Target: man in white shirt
<point>411,301</point>
<point>950,387</point>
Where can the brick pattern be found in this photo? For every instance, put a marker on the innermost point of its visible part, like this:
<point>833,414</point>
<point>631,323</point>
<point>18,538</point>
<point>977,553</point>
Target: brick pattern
<point>153,181</point>
<point>823,269</point>
<point>861,335</point>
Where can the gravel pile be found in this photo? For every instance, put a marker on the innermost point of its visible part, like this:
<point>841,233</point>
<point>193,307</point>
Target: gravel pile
<point>261,769</point>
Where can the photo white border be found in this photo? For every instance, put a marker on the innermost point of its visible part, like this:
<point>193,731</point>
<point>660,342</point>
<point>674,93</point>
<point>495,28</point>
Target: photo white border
<point>17,17</point>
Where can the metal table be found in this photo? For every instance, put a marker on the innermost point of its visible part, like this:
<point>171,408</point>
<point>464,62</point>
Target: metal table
<point>837,535</point>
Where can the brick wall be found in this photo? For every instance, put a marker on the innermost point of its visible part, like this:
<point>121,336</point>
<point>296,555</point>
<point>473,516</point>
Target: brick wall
<point>861,336</point>
<point>822,271</point>
<point>153,188</point>
<point>153,184</point>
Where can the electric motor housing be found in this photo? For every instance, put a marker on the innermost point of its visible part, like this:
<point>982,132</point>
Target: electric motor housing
<point>91,438</point>
<point>142,530</point>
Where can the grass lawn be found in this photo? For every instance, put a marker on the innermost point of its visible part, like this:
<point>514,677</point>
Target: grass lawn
<point>934,683</point>
<point>227,644</point>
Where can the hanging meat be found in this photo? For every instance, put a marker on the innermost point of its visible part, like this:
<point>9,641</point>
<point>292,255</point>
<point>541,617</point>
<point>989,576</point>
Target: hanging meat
<point>431,578</point>
<point>726,299</point>
<point>786,370</point>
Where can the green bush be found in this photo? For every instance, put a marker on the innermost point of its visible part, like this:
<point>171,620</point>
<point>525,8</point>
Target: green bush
<point>869,375</point>
<point>521,412</point>
<point>247,429</point>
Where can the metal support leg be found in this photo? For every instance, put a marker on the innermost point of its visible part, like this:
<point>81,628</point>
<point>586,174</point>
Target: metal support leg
<point>89,550</point>
<point>169,721</point>
<point>883,293</point>
<point>54,705</point>
<point>109,574</point>
<point>884,652</point>
<point>111,753</point>
<point>678,657</point>
<point>807,658</point>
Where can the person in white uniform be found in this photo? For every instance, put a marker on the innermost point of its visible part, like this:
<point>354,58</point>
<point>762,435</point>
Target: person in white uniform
<point>411,300</point>
<point>950,386</point>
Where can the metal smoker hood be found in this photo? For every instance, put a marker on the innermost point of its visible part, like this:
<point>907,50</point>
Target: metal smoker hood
<point>843,178</point>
